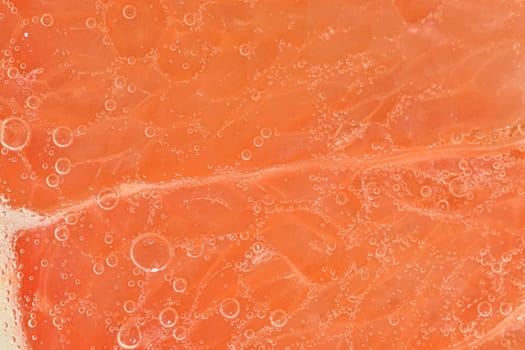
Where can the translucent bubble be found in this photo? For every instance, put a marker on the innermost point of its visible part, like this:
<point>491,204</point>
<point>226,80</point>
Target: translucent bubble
<point>246,154</point>
<point>425,191</point>
<point>71,218</point>
<point>258,141</point>
<point>189,19</point>
<point>53,180</point>
<point>108,199</point>
<point>91,22</point>
<point>129,12</point>
<point>31,323</point>
<point>393,320</point>
<point>129,306</point>
<point>341,198</point>
<point>14,134</point>
<point>168,317</point>
<point>229,308</point>
<point>62,166</point>
<point>278,318</point>
<point>484,309</point>
<point>129,336</point>
<point>63,136</point>
<point>98,268</point>
<point>457,187</point>
<point>12,72</point>
<point>47,20</point>
<point>245,49</point>
<point>110,105</point>
<point>179,284</point>
<point>150,252</point>
<point>150,132</point>
<point>266,133</point>
<point>32,102</point>
<point>180,333</point>
<point>61,233</point>
<point>112,260</point>
<point>505,309</point>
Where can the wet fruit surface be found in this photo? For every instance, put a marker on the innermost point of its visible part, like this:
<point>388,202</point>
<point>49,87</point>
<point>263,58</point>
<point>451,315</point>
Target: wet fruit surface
<point>262,174</point>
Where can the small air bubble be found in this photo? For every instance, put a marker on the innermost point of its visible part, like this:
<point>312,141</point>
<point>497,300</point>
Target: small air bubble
<point>63,136</point>
<point>91,22</point>
<point>98,268</point>
<point>62,166</point>
<point>179,284</point>
<point>246,154</point>
<point>258,141</point>
<point>129,12</point>
<point>53,180</point>
<point>168,317</point>
<point>484,309</point>
<point>108,199</point>
<point>150,252</point>
<point>180,333</point>
<point>129,336</point>
<point>47,20</point>
<point>278,318</point>
<point>229,308</point>
<point>425,191</point>
<point>14,134</point>
<point>61,233</point>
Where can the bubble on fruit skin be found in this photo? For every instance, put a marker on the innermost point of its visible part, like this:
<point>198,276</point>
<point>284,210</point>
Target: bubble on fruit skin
<point>47,20</point>
<point>278,318</point>
<point>179,284</point>
<point>112,260</point>
<point>63,136</point>
<point>505,308</point>
<point>129,336</point>
<point>150,252</point>
<point>129,12</point>
<point>230,308</point>
<point>98,268</point>
<point>180,333</point>
<point>15,133</point>
<point>61,233</point>
<point>53,180</point>
<point>168,317</point>
<point>91,22</point>
<point>108,199</point>
<point>129,306</point>
<point>63,166</point>
<point>484,309</point>
<point>246,154</point>
<point>32,102</point>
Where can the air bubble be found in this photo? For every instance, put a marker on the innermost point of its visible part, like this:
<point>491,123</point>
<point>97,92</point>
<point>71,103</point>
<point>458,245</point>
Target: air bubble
<point>484,309</point>
<point>505,308</point>
<point>229,308</point>
<point>150,132</point>
<point>63,136</point>
<point>98,269</point>
<point>245,50</point>
<point>393,320</point>
<point>168,317</point>
<point>266,133</point>
<point>180,333</point>
<point>47,20</point>
<point>129,12</point>
<point>278,318</point>
<point>425,191</point>
<point>61,233</point>
<point>341,198</point>
<point>129,306</point>
<point>112,260</point>
<point>246,154</point>
<point>62,166</point>
<point>14,134</point>
<point>150,252</point>
<point>179,284</point>
<point>12,72</point>
<point>258,141</point>
<point>91,22</point>
<point>110,105</point>
<point>32,102</point>
<point>457,187</point>
<point>108,199</point>
<point>53,180</point>
<point>129,336</point>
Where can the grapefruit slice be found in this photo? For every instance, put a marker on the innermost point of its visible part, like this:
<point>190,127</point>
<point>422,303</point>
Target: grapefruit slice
<point>262,175</point>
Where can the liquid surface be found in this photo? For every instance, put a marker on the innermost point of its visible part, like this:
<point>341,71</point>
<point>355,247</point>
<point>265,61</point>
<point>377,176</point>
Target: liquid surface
<point>262,174</point>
